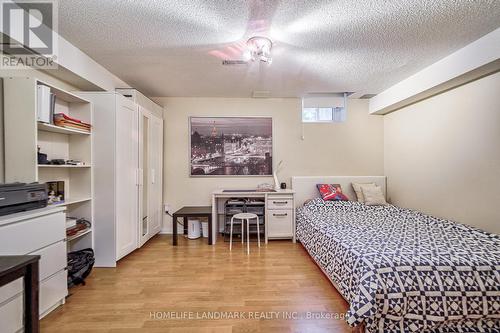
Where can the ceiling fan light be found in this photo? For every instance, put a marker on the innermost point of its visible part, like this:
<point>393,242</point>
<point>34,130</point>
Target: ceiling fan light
<point>247,55</point>
<point>260,48</point>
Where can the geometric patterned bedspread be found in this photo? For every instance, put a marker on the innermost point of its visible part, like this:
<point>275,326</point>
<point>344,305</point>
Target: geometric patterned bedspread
<point>404,271</point>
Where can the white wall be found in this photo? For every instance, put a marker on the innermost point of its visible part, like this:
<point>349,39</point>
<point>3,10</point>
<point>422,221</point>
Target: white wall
<point>442,155</point>
<point>351,148</point>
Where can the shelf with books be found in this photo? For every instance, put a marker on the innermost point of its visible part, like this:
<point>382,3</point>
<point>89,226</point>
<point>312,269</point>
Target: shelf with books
<point>63,120</point>
<point>62,130</point>
<point>79,234</point>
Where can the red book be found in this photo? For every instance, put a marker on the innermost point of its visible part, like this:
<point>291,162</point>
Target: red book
<point>61,116</point>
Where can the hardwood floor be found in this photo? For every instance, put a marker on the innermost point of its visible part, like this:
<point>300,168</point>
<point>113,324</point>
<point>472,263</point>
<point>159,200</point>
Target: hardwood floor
<point>202,280</point>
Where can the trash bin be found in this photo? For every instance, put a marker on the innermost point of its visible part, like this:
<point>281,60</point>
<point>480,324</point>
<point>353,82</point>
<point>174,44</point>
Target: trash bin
<point>194,227</point>
<point>204,228</point>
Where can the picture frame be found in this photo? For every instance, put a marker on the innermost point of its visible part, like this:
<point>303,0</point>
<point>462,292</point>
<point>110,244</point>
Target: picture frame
<point>55,192</point>
<point>231,146</point>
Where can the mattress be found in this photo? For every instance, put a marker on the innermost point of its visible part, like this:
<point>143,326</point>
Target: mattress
<point>403,271</point>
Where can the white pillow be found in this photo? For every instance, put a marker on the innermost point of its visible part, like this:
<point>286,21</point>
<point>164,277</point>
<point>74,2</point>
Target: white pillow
<point>373,195</point>
<point>357,189</point>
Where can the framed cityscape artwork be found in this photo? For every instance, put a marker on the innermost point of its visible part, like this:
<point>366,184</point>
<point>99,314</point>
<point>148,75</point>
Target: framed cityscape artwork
<point>231,146</point>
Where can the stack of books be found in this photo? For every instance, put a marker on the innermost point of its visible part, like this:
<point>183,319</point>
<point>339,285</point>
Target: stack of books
<point>62,120</point>
<point>76,226</point>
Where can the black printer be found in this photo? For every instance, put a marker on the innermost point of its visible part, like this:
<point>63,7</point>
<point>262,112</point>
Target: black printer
<point>19,197</point>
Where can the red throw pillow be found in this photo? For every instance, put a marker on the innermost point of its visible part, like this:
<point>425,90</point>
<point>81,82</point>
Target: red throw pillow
<point>331,192</point>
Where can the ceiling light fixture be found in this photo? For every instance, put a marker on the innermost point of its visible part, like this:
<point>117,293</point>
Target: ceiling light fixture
<point>260,49</point>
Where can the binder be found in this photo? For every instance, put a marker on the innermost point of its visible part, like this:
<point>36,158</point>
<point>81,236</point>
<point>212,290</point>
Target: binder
<point>52,107</point>
<point>43,103</point>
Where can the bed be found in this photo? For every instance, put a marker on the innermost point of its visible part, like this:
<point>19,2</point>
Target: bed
<point>401,270</point>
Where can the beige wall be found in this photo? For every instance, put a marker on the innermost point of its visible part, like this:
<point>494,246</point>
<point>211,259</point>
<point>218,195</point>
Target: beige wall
<point>351,148</point>
<point>442,155</point>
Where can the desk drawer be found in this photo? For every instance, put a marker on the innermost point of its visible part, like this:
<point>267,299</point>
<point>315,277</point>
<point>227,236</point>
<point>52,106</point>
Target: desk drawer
<point>11,315</point>
<point>33,234</point>
<point>280,223</point>
<point>279,203</point>
<point>52,259</point>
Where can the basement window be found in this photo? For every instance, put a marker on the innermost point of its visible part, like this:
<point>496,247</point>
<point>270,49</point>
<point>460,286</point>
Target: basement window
<point>324,109</point>
<point>324,115</point>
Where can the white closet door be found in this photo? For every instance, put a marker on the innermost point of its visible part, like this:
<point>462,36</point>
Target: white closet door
<point>145,176</point>
<point>127,154</point>
<point>156,174</point>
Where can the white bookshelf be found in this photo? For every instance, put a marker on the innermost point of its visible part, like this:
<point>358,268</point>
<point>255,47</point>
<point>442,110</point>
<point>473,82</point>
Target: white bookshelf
<point>24,134</point>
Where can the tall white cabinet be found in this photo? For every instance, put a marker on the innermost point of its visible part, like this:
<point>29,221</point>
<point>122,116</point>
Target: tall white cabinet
<point>150,173</point>
<point>127,145</point>
<point>150,163</point>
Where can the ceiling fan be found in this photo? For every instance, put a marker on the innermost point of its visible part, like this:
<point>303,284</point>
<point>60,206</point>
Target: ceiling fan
<point>258,47</point>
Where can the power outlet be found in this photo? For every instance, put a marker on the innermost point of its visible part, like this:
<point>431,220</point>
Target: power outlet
<point>167,208</point>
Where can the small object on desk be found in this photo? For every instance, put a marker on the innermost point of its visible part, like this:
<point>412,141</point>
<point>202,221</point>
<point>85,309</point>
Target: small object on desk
<point>194,212</point>
<point>15,267</point>
<point>275,175</point>
<point>265,187</point>
<point>283,186</point>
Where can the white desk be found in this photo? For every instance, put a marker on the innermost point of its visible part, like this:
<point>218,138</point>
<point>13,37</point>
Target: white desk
<point>279,212</point>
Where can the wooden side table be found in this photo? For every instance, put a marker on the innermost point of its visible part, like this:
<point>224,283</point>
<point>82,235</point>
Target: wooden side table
<point>15,267</point>
<point>191,211</point>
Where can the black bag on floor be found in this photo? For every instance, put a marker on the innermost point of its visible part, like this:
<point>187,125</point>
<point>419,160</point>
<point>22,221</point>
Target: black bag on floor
<point>80,264</point>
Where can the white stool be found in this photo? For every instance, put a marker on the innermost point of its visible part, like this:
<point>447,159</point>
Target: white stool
<point>244,217</point>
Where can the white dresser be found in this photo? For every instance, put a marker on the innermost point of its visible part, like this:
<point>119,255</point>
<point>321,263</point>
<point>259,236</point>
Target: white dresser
<point>41,232</point>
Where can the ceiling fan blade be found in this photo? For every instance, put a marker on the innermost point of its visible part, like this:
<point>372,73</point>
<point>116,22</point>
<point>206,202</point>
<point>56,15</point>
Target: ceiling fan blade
<point>259,23</point>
